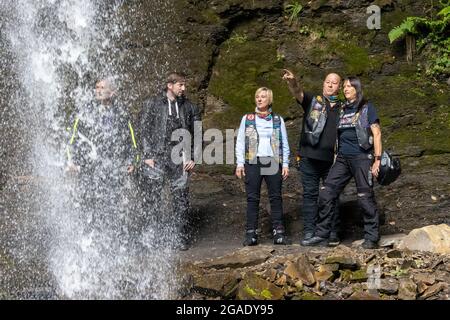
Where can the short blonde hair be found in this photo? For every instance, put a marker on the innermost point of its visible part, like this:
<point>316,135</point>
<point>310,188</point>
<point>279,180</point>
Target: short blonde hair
<point>269,94</point>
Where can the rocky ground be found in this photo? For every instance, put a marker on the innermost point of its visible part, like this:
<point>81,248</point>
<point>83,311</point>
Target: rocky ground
<point>292,272</point>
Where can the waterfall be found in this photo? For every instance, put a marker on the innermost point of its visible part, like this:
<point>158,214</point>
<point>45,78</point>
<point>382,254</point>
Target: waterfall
<point>55,51</point>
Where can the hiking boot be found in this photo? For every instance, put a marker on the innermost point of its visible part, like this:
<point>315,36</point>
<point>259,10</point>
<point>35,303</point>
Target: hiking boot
<point>315,242</point>
<point>279,237</point>
<point>307,236</point>
<point>369,244</point>
<point>333,240</point>
<point>251,238</point>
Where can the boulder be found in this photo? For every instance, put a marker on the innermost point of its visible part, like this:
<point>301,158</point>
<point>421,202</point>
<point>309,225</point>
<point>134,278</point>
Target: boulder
<point>433,290</point>
<point>388,286</point>
<point>363,295</point>
<point>354,276</point>
<point>344,261</point>
<point>442,276</point>
<point>434,238</point>
<point>221,284</point>
<point>301,270</point>
<point>407,289</point>
<point>391,240</point>
<point>421,287</point>
<point>325,273</point>
<point>270,275</point>
<point>281,281</point>
<point>427,278</point>
<point>394,254</point>
<point>253,287</point>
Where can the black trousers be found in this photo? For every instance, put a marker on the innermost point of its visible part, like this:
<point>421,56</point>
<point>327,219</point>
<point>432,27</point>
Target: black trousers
<point>340,174</point>
<point>312,172</point>
<point>166,203</point>
<point>254,175</point>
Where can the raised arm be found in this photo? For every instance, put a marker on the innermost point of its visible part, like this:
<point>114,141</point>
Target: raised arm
<point>293,85</point>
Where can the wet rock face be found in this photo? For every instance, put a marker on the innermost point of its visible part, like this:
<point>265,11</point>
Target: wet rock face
<point>230,48</point>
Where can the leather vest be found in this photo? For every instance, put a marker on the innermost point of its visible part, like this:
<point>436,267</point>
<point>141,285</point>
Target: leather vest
<point>315,120</point>
<point>361,124</point>
<point>252,138</point>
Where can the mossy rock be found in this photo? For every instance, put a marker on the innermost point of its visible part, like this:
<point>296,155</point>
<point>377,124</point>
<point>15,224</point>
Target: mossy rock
<point>253,287</point>
<point>354,276</point>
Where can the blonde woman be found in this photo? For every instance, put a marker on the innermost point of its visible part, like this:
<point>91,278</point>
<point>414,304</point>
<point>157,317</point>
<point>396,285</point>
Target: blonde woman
<point>262,152</point>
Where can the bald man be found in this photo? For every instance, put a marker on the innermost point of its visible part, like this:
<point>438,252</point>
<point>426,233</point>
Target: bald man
<point>316,147</point>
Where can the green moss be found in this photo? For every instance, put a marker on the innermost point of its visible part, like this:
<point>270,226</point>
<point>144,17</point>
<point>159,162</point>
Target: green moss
<point>210,16</point>
<point>431,134</point>
<point>353,276</point>
<point>266,294</point>
<point>250,291</point>
<point>413,113</point>
<point>356,59</point>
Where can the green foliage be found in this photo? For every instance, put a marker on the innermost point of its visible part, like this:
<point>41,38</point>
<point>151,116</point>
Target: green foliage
<point>250,291</point>
<point>293,10</point>
<point>266,294</point>
<point>407,27</point>
<point>398,272</point>
<point>280,57</point>
<point>431,36</point>
<point>236,39</point>
<point>304,30</point>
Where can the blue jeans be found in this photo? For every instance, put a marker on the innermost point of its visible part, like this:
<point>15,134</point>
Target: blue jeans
<point>312,171</point>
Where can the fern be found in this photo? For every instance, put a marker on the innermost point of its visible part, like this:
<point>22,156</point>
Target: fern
<point>407,27</point>
<point>431,36</point>
<point>444,12</point>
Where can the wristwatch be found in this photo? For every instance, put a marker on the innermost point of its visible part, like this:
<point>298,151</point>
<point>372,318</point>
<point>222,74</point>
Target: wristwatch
<point>377,158</point>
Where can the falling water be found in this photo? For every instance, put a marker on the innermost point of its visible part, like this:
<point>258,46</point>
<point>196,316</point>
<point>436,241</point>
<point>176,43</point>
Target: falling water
<point>52,52</point>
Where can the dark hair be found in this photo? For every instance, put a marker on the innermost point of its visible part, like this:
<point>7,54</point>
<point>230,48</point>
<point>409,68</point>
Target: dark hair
<point>175,77</point>
<point>356,83</point>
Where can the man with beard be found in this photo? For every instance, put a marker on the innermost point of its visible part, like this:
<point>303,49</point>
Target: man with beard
<point>163,116</point>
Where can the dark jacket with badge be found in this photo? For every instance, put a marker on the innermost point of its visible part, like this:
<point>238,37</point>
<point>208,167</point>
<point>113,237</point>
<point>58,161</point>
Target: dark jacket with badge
<point>154,135</point>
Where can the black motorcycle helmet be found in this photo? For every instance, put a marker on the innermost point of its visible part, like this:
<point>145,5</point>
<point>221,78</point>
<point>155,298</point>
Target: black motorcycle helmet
<point>390,169</point>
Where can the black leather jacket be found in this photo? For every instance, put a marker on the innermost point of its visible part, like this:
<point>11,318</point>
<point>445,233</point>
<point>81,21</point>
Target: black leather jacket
<point>154,119</point>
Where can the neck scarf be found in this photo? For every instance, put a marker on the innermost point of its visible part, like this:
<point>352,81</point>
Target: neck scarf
<point>332,99</point>
<point>267,115</point>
